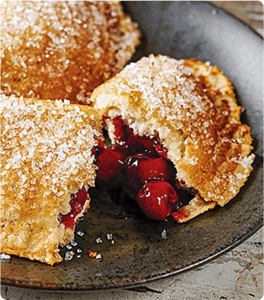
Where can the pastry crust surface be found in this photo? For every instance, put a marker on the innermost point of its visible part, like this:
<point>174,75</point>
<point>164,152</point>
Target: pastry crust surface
<point>191,107</point>
<point>46,154</point>
<point>63,49</point>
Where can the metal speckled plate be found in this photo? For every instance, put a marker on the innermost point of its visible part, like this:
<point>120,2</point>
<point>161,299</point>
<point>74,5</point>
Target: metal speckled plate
<point>135,249</point>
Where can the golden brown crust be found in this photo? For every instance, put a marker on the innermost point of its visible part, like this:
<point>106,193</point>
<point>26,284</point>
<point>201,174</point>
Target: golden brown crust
<point>194,208</point>
<point>192,109</point>
<point>63,49</point>
<point>46,154</point>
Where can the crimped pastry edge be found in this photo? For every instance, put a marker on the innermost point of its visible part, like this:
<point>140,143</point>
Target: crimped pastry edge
<point>120,97</point>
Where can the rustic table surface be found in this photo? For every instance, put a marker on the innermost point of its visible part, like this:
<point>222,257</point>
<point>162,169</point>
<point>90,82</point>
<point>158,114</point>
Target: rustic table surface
<point>236,275</point>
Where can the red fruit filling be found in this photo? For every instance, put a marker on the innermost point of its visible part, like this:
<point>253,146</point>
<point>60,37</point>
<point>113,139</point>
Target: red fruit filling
<point>157,199</point>
<point>122,134</point>
<point>132,143</point>
<point>140,165</point>
<point>77,203</point>
<point>178,215</point>
<point>110,162</point>
<point>140,168</point>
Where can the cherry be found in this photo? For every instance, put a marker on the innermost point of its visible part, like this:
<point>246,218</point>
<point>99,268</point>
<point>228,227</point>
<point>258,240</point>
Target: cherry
<point>140,168</point>
<point>101,146</point>
<point>140,165</point>
<point>161,150</point>
<point>141,143</point>
<point>98,150</point>
<point>122,138</point>
<point>127,140</point>
<point>77,202</point>
<point>156,199</point>
<point>110,163</point>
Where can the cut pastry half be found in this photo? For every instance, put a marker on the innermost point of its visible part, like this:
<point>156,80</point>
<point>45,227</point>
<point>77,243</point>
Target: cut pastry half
<point>47,168</point>
<point>182,112</point>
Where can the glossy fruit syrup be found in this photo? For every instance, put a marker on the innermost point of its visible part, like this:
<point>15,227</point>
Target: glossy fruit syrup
<point>77,203</point>
<point>139,164</point>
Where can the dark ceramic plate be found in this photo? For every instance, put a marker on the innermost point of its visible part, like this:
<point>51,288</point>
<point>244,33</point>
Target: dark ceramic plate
<point>137,250</point>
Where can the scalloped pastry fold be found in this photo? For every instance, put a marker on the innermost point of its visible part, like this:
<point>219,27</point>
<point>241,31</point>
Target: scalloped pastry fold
<point>191,108</point>
<point>46,155</point>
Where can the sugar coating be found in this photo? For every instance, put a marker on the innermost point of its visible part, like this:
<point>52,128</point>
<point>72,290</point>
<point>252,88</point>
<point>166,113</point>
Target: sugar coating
<point>45,143</point>
<point>171,92</point>
<point>46,154</point>
<point>63,49</point>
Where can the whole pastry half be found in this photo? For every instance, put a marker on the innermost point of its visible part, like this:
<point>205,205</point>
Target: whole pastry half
<point>188,111</point>
<point>63,49</point>
<point>47,168</point>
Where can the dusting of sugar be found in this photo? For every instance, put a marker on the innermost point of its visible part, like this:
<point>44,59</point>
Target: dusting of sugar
<point>80,233</point>
<point>67,42</point>
<point>193,160</point>
<point>98,240</point>
<point>240,176</point>
<point>232,190</point>
<point>98,256</point>
<point>69,255</point>
<point>109,236</point>
<point>164,234</point>
<point>73,243</point>
<point>41,146</point>
<point>245,162</point>
<point>4,256</point>
<point>170,89</point>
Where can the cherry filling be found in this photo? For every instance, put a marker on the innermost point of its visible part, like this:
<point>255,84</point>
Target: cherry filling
<point>139,164</point>
<point>77,203</point>
<point>140,168</point>
<point>157,198</point>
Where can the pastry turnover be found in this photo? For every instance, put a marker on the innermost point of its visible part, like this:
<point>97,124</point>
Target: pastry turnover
<point>63,49</point>
<point>190,107</point>
<point>46,156</point>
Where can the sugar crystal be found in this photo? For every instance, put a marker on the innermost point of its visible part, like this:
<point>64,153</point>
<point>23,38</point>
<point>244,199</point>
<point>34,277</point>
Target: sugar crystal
<point>69,255</point>
<point>49,43</point>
